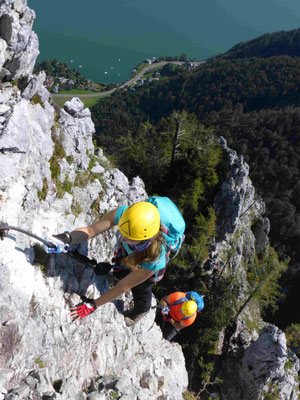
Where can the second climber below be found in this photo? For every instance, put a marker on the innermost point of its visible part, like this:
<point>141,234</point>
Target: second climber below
<point>181,311</point>
<point>141,250</point>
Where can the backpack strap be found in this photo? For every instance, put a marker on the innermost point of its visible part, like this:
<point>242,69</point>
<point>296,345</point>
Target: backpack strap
<point>179,301</point>
<point>189,316</point>
<point>171,246</point>
<point>158,275</point>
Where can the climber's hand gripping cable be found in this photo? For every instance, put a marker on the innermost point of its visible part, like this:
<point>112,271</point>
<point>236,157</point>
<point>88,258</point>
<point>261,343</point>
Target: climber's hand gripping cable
<point>57,243</point>
<point>165,310</point>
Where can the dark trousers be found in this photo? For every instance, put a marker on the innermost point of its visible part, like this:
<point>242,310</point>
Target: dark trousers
<point>142,293</point>
<point>170,332</point>
<point>142,296</point>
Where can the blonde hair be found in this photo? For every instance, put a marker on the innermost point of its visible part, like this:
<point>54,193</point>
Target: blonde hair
<point>135,260</point>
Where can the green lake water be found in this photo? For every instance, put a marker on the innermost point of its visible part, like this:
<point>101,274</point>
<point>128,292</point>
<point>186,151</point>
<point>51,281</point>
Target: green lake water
<point>106,39</point>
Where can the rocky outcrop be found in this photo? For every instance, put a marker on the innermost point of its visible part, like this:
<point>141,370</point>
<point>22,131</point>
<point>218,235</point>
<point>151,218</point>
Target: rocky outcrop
<point>43,353</point>
<point>238,203</point>
<point>51,180</point>
<point>267,367</point>
<point>255,363</point>
<point>18,43</point>
<point>237,206</point>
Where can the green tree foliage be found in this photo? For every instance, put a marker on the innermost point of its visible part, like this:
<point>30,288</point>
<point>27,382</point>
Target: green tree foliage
<point>255,83</point>
<point>202,236</point>
<point>206,376</point>
<point>254,103</point>
<point>167,166</point>
<point>263,276</point>
<point>270,142</point>
<point>267,45</point>
<point>171,70</point>
<point>292,333</point>
<point>166,134</point>
<point>182,57</point>
<point>57,69</point>
<point>144,152</point>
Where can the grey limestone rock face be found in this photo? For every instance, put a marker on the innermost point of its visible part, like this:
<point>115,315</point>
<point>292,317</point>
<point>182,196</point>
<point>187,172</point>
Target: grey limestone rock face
<point>39,343</point>
<point>3,47</point>
<point>238,198</point>
<point>43,346</point>
<point>237,206</point>
<point>35,85</point>
<point>20,50</point>
<point>74,107</point>
<point>52,180</point>
<point>267,367</point>
<point>256,363</point>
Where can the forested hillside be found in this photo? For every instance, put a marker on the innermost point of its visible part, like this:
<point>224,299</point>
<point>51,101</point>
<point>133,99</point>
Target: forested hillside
<point>254,103</point>
<point>59,73</point>
<point>165,133</point>
<point>58,69</point>
<point>254,83</point>
<point>268,45</point>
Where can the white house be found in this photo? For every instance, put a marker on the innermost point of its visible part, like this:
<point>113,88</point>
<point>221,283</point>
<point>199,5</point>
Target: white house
<point>151,60</point>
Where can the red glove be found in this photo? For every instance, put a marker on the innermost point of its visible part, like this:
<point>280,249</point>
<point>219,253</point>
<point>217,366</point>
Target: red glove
<point>84,309</point>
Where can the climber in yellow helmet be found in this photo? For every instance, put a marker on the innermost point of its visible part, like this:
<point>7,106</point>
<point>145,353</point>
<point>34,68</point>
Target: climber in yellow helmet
<point>179,311</point>
<point>140,257</point>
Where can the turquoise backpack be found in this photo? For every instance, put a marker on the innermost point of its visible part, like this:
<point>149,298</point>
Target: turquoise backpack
<point>171,221</point>
<point>198,298</point>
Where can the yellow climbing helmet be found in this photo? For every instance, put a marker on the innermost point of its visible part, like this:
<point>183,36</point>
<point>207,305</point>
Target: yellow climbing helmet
<point>140,221</point>
<point>188,308</point>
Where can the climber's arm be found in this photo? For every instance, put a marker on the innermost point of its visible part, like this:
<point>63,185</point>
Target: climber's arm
<point>131,280</point>
<point>178,325</point>
<point>82,234</point>
<point>165,301</point>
